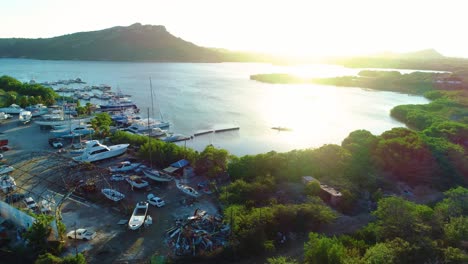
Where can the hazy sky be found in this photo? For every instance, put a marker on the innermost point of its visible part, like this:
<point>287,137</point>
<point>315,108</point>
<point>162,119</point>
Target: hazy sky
<point>327,27</point>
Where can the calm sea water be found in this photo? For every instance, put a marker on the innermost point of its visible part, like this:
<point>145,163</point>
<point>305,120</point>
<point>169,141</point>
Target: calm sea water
<point>196,97</point>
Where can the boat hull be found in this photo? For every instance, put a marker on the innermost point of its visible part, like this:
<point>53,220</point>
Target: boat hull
<point>157,176</point>
<point>115,151</point>
<point>113,194</point>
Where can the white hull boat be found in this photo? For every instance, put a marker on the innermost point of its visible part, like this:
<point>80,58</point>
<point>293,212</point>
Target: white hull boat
<point>25,117</point>
<point>136,182</point>
<point>12,109</point>
<point>96,151</point>
<point>187,189</point>
<point>63,121</point>
<point>7,183</point>
<point>5,169</point>
<point>113,194</point>
<point>156,175</point>
<point>139,216</point>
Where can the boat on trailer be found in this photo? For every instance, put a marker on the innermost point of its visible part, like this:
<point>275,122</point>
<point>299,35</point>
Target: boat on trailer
<point>187,189</point>
<point>112,194</point>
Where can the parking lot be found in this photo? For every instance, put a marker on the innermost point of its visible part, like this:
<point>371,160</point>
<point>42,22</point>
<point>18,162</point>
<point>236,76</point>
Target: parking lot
<point>43,173</point>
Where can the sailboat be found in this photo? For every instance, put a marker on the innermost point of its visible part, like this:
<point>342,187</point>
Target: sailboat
<point>151,173</point>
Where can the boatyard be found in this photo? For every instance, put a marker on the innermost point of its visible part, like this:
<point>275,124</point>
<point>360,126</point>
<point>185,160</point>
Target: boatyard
<point>49,175</point>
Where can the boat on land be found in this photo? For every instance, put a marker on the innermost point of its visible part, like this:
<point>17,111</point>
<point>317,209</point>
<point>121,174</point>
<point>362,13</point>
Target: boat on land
<point>157,175</point>
<point>59,121</point>
<point>24,117</point>
<point>75,130</point>
<point>282,128</point>
<point>12,109</point>
<point>37,110</point>
<point>187,189</point>
<point>112,194</point>
<point>124,166</point>
<point>95,151</point>
<point>7,183</point>
<point>136,182</point>
<point>138,216</point>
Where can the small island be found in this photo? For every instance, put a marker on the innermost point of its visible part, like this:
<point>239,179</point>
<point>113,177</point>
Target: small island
<point>411,83</point>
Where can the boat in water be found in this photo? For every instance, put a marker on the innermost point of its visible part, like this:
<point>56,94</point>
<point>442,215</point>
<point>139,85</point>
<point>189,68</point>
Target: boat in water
<point>136,182</point>
<point>138,216</point>
<point>95,151</point>
<point>117,104</point>
<point>5,169</point>
<point>12,109</point>
<point>282,128</point>
<point>112,194</point>
<point>187,189</point>
<point>157,175</point>
<point>176,138</point>
<point>7,183</point>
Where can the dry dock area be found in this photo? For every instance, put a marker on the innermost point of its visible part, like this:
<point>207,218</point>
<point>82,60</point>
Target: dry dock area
<point>41,171</point>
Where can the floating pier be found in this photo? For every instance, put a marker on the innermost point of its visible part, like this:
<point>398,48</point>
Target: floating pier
<point>216,131</point>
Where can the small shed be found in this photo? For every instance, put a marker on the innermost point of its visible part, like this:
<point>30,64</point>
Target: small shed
<point>180,164</point>
<point>330,195</point>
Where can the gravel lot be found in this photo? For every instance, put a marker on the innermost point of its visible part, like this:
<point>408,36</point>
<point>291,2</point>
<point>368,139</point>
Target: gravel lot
<point>42,172</point>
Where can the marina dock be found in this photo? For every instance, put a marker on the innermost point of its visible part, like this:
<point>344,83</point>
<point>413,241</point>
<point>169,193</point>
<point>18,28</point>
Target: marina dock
<point>216,131</point>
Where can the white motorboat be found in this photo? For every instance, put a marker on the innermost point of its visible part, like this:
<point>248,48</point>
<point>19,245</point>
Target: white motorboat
<point>96,151</point>
<point>139,216</point>
<point>61,121</point>
<point>136,182</point>
<point>4,116</point>
<point>25,117</point>
<point>187,189</point>
<point>5,169</point>
<point>112,194</point>
<point>12,109</point>
<point>7,183</point>
<point>124,166</point>
<point>156,175</point>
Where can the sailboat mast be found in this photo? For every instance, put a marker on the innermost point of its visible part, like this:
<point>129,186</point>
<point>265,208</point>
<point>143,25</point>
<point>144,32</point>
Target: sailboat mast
<point>152,101</point>
<point>149,140</point>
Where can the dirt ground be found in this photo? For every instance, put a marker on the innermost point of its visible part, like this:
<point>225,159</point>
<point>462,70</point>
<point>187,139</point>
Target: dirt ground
<point>42,172</point>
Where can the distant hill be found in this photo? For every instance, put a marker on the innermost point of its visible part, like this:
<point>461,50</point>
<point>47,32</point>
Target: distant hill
<point>133,43</point>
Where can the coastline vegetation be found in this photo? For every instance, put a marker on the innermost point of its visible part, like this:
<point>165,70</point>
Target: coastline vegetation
<point>13,91</point>
<point>266,199</point>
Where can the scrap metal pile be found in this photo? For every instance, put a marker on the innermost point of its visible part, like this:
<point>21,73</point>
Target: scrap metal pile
<point>198,235</point>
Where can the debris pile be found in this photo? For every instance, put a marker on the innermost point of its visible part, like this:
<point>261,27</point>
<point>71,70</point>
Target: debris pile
<point>198,235</point>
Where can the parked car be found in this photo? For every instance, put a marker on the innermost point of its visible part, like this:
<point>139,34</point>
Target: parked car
<point>156,201</point>
<point>13,198</point>
<point>56,143</point>
<point>82,234</point>
<point>117,177</point>
<point>30,203</point>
